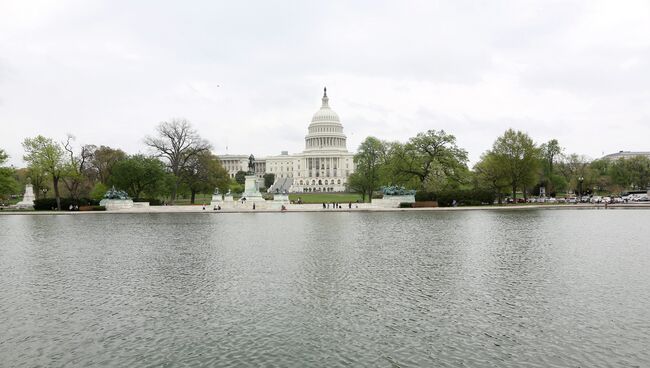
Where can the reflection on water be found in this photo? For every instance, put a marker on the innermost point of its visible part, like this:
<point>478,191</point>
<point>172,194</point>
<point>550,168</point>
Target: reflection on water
<point>473,288</point>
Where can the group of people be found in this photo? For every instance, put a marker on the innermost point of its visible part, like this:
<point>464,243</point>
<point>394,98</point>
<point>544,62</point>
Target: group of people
<point>335,205</point>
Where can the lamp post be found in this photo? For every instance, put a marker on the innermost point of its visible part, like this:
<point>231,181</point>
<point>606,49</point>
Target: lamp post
<point>580,180</point>
<point>44,190</point>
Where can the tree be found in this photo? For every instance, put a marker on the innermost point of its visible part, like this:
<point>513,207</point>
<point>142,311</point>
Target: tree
<point>370,156</point>
<point>47,156</point>
<point>178,143</point>
<point>102,161</point>
<point>204,173</point>
<point>573,167</point>
<point>8,184</point>
<point>269,179</point>
<point>631,173</point>
<point>433,158</point>
<point>490,173</point>
<point>240,177</point>
<point>517,156</point>
<point>549,152</point>
<point>139,174</point>
<point>76,168</point>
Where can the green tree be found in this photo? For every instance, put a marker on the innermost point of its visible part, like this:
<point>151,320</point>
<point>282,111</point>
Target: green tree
<point>550,152</point>
<point>518,157</point>
<point>240,177</point>
<point>178,143</point>
<point>368,161</point>
<point>102,160</point>
<point>269,179</point>
<point>632,172</point>
<point>491,174</point>
<point>433,157</point>
<point>138,175</point>
<point>8,184</point>
<point>47,156</point>
<point>204,173</point>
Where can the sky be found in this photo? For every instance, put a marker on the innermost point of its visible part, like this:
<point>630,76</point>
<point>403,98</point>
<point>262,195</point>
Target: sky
<point>249,75</point>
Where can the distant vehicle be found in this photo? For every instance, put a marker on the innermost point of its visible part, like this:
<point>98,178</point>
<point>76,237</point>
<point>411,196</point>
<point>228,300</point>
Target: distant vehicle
<point>572,200</point>
<point>552,200</point>
<point>607,200</point>
<point>596,199</point>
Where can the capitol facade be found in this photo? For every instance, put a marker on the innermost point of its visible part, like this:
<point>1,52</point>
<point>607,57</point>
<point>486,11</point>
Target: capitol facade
<point>324,165</point>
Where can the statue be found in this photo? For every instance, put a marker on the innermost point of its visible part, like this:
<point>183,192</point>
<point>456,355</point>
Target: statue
<point>216,191</point>
<point>396,190</point>
<point>116,194</point>
<point>251,164</point>
<point>229,194</point>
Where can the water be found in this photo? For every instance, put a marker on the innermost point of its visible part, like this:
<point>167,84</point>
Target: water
<point>549,288</point>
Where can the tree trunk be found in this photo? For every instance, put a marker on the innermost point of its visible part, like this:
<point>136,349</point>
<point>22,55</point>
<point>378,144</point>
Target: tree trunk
<point>174,190</point>
<point>193,196</point>
<point>514,193</point>
<point>55,184</point>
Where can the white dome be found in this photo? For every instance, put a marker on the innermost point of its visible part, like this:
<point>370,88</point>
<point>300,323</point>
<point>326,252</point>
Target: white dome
<point>325,131</point>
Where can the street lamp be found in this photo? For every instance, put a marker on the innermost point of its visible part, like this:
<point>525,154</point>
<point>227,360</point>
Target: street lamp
<point>44,190</point>
<point>580,180</point>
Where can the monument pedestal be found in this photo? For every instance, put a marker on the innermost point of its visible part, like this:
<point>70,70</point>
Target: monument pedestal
<point>217,200</point>
<point>251,191</point>
<point>28,198</point>
<point>116,204</point>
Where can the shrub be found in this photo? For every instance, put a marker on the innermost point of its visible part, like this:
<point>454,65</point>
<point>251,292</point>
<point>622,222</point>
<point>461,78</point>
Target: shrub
<point>463,197</point>
<point>47,204</point>
<point>405,205</point>
<point>152,201</point>
<point>421,196</point>
<point>92,208</point>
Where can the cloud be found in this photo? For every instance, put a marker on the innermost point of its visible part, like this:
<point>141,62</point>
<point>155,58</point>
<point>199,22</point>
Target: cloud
<point>249,75</point>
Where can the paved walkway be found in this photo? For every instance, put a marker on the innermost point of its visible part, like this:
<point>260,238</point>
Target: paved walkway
<point>361,207</point>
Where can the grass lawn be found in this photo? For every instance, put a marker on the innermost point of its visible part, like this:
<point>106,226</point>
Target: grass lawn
<point>306,198</point>
<point>325,197</point>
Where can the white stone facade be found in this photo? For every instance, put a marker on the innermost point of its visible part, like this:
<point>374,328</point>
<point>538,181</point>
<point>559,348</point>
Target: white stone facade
<point>324,165</point>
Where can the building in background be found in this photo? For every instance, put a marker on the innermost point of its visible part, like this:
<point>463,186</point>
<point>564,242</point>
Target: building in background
<point>324,165</point>
<point>625,154</point>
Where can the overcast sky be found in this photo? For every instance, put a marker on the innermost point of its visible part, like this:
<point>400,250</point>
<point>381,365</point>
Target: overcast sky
<point>249,74</point>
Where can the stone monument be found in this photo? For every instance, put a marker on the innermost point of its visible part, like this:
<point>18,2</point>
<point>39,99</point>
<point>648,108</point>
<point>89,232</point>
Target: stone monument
<point>28,197</point>
<point>217,198</point>
<point>251,191</point>
<point>393,196</point>
<point>116,200</point>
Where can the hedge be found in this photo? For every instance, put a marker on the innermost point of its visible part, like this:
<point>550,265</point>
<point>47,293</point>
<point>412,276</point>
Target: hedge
<point>463,197</point>
<point>47,204</point>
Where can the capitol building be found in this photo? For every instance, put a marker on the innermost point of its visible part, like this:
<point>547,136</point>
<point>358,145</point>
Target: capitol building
<point>324,165</point>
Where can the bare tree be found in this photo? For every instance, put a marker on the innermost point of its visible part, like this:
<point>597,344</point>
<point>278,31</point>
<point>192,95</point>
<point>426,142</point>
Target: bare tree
<point>76,167</point>
<point>178,143</point>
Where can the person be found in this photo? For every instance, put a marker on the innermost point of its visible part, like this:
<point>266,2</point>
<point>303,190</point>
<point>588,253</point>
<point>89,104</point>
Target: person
<point>283,208</point>
<point>324,205</point>
<point>203,206</point>
<point>70,208</point>
<point>350,204</point>
<point>218,208</point>
<point>253,205</point>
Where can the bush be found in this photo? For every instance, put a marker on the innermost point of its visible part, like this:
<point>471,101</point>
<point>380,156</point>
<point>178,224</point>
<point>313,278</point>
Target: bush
<point>421,196</point>
<point>463,197</point>
<point>92,208</point>
<point>47,204</point>
<point>405,205</point>
<point>152,201</point>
